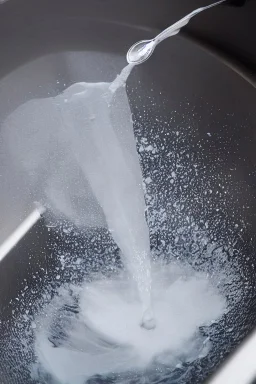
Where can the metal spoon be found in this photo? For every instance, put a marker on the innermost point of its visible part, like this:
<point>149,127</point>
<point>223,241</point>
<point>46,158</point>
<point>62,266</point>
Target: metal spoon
<point>142,50</point>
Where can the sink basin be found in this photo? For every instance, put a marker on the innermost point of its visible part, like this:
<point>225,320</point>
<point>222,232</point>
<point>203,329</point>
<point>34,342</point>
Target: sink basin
<point>193,106</point>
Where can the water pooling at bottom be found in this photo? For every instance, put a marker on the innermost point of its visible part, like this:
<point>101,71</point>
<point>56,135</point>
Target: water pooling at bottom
<point>83,325</point>
<point>93,328</point>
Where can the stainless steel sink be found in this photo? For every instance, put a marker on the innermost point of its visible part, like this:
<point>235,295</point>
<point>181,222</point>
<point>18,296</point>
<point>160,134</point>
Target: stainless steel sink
<point>203,83</point>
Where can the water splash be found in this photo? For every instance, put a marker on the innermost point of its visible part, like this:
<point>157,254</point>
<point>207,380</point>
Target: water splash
<point>99,333</point>
<point>91,175</point>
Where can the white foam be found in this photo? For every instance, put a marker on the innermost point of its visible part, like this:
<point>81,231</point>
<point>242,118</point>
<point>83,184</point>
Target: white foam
<point>113,341</point>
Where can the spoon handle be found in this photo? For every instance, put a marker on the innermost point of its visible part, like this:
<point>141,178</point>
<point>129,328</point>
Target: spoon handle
<point>175,28</point>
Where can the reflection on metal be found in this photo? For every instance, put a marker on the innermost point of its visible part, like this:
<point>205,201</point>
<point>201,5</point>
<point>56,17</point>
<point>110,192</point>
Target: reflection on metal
<point>242,67</point>
<point>21,231</point>
<point>241,367</point>
<point>143,49</point>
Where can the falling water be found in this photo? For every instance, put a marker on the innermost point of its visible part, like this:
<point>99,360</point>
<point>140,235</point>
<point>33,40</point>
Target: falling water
<point>106,152</point>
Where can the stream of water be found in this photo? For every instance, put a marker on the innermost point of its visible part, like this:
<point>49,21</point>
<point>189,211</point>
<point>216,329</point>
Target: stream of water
<point>106,153</point>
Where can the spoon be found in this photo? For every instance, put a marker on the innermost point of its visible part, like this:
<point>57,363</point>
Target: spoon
<point>142,50</point>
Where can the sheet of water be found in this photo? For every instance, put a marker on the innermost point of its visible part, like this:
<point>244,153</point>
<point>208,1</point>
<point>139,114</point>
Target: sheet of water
<point>95,131</point>
<point>105,152</point>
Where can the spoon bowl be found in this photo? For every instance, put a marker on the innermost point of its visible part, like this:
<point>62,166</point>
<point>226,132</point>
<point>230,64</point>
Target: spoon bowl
<point>142,50</point>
